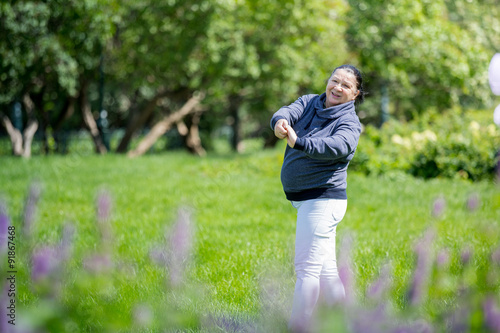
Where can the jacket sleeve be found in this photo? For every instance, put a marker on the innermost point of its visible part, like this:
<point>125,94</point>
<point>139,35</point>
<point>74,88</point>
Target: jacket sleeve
<point>292,112</point>
<point>339,145</point>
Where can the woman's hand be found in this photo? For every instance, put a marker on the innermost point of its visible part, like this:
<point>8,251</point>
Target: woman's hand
<point>280,129</point>
<point>292,136</point>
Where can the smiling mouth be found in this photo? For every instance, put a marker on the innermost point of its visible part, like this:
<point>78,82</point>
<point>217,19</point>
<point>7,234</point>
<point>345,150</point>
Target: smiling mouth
<point>335,95</point>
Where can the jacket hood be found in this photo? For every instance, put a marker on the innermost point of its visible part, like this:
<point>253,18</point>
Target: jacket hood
<point>332,112</point>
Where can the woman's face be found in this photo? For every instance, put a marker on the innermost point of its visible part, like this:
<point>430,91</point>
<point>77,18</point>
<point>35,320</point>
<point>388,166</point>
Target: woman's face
<point>341,88</point>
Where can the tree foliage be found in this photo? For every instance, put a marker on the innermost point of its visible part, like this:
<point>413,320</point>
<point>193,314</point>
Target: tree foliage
<point>422,50</point>
<point>238,52</point>
<point>50,43</point>
<point>247,57</point>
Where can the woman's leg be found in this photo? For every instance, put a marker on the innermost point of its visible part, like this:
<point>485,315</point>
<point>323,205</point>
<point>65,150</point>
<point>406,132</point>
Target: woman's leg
<point>315,258</point>
<point>331,287</point>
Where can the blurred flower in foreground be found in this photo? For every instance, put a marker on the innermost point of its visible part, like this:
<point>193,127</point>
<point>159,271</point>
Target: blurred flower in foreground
<point>30,207</point>
<point>377,289</point>
<point>495,256</point>
<point>422,271</point>
<point>4,227</point>
<point>466,255</point>
<point>102,261</point>
<point>103,211</point>
<point>181,242</point>
<point>345,272</point>
<point>473,202</point>
<point>66,244</point>
<point>98,263</point>
<point>5,327</point>
<point>443,258</point>
<point>175,255</point>
<point>45,260</point>
<point>491,314</point>
<point>438,207</point>
<point>142,315</point>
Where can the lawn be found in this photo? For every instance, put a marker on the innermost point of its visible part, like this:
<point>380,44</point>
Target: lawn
<point>242,250</point>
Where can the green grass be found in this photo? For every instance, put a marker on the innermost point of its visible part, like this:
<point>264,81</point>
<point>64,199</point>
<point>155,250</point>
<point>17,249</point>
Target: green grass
<point>244,231</point>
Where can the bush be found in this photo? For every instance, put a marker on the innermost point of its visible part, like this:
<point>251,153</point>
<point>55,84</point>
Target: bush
<point>451,145</point>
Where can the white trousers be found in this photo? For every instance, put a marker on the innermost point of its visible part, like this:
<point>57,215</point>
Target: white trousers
<point>315,259</point>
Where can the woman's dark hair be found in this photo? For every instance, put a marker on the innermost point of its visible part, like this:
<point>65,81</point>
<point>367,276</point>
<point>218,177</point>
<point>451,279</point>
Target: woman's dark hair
<point>359,80</point>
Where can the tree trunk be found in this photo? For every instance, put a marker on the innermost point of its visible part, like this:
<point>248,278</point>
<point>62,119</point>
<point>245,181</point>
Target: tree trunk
<point>138,119</point>
<point>21,143</point>
<point>193,138</point>
<point>234,105</point>
<point>165,124</point>
<point>89,120</point>
<point>35,103</point>
<point>32,126</point>
<point>29,133</point>
<point>66,113</point>
<point>191,135</point>
<point>16,138</point>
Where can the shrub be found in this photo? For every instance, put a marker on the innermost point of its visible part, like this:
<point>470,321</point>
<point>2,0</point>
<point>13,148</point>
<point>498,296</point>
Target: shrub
<point>451,145</point>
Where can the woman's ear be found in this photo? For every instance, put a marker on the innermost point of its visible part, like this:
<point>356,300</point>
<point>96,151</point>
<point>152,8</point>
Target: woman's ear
<point>356,95</point>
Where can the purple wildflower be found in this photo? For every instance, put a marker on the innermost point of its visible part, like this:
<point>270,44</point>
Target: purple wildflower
<point>443,258</point>
<point>180,243</point>
<point>495,256</point>
<point>422,271</point>
<point>345,271</point>
<point>420,326</point>
<point>272,301</point>
<point>491,314</point>
<point>438,206</point>
<point>377,289</point>
<point>4,227</point>
<point>458,321</point>
<point>45,261</point>
<point>227,323</point>
<point>473,202</point>
<point>158,256</point>
<point>142,315</point>
<point>103,206</point>
<point>103,215</point>
<point>98,263</point>
<point>374,321</point>
<point>4,303</point>
<point>30,206</point>
<point>466,255</point>
<point>65,247</point>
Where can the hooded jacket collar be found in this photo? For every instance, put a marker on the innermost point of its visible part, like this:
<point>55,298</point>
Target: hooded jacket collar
<point>332,112</point>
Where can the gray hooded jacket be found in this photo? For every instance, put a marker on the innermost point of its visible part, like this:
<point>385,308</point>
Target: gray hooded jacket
<point>327,138</point>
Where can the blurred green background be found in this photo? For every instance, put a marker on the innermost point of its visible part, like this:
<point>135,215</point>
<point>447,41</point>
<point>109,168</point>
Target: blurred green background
<point>176,80</point>
<point>198,71</point>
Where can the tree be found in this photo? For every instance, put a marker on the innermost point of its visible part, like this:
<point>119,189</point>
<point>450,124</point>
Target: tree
<point>418,53</point>
<point>155,57</point>
<point>266,53</point>
<point>50,53</point>
<point>165,52</point>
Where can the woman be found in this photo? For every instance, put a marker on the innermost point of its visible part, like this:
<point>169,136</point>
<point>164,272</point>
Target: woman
<point>322,133</point>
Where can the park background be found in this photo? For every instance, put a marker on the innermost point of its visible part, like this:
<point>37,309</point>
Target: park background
<point>139,169</point>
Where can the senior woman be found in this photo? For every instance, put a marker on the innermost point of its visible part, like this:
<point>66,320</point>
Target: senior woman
<point>322,132</point>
